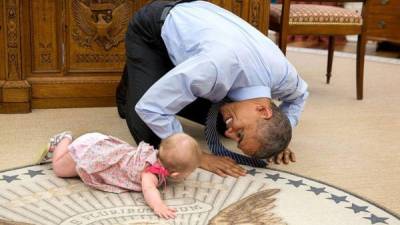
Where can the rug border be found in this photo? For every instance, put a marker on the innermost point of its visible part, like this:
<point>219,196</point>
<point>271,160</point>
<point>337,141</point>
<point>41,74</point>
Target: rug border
<point>397,216</point>
<point>20,167</point>
<point>388,211</point>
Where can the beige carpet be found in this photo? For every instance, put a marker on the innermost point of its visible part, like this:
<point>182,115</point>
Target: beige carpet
<point>350,144</point>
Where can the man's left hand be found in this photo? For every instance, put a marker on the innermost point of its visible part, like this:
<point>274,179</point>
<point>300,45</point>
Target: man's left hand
<point>221,165</point>
<point>286,156</point>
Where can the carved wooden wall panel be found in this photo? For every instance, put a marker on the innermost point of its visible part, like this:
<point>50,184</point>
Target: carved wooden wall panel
<point>139,4</point>
<point>2,54</point>
<point>226,4</point>
<point>95,33</point>
<point>13,55</point>
<point>253,11</point>
<point>45,35</point>
<point>15,90</point>
<point>239,8</point>
<point>2,47</point>
<point>70,53</point>
<point>258,14</point>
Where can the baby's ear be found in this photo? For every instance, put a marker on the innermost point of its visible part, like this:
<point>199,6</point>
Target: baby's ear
<point>174,174</point>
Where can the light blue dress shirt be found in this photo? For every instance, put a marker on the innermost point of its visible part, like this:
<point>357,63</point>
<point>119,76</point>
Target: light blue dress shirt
<point>217,54</point>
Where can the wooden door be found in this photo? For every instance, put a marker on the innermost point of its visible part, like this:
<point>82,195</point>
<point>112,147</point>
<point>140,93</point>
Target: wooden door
<point>76,50</point>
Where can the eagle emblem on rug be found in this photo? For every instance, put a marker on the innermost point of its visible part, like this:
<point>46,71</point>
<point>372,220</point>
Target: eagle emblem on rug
<point>252,210</point>
<point>104,23</point>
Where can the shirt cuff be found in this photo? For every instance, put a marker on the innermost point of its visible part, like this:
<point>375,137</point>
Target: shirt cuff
<point>245,93</point>
<point>293,121</point>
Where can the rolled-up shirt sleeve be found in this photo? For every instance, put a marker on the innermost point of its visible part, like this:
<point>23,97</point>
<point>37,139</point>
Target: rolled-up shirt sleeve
<point>193,78</point>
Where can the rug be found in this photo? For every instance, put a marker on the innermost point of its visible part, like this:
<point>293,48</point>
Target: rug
<point>264,196</point>
<point>339,140</point>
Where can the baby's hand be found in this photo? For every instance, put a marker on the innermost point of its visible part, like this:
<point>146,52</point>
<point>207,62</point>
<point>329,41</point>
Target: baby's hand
<point>165,212</point>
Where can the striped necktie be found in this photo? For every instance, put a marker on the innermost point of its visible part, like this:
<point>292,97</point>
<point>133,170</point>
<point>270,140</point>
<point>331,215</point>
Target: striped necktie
<point>217,148</point>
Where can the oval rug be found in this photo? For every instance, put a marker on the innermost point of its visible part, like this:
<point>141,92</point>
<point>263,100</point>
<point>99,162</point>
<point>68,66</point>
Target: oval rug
<point>264,196</point>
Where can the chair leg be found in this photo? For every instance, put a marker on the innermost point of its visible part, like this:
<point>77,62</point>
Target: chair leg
<point>331,49</point>
<point>361,42</point>
<point>282,41</point>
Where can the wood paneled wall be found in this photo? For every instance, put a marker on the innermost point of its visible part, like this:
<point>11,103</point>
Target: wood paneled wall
<point>70,53</point>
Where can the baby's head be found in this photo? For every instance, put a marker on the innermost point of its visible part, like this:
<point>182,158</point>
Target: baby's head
<point>180,155</point>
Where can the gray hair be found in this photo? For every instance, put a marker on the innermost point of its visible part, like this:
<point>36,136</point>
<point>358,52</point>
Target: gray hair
<point>273,134</point>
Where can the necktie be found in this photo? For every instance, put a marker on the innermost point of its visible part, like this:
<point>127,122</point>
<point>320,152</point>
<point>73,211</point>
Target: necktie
<point>217,148</point>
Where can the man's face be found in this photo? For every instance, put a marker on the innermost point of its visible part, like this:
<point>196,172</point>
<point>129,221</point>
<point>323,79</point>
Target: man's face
<point>241,122</point>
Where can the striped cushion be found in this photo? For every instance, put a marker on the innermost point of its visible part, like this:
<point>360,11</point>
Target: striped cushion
<point>306,14</point>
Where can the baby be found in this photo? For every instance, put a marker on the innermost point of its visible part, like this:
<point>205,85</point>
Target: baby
<point>109,164</point>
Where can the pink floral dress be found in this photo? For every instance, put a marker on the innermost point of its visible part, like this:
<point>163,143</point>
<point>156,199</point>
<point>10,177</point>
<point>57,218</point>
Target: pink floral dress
<point>110,164</point>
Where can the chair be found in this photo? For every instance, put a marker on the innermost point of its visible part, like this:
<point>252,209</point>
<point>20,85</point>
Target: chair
<point>308,19</point>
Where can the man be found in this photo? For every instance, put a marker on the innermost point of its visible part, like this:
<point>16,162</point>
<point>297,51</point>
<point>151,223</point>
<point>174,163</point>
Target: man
<point>184,56</point>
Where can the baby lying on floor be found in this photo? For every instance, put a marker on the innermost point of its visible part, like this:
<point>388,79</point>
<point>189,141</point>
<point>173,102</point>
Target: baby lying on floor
<point>110,164</point>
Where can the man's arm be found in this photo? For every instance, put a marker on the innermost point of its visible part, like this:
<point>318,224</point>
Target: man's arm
<point>196,77</point>
<point>294,99</point>
<point>293,109</point>
<point>293,94</point>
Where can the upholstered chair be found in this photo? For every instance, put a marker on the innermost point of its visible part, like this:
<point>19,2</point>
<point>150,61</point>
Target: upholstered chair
<point>308,19</point>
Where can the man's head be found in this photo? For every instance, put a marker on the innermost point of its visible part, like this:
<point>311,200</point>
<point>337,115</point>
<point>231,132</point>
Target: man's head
<point>258,126</point>
<point>180,154</point>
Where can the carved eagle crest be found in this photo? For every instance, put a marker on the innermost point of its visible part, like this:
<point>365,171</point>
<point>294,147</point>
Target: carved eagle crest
<point>252,210</point>
<point>103,23</point>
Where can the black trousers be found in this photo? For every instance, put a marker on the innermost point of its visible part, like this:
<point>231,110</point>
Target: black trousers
<point>147,61</point>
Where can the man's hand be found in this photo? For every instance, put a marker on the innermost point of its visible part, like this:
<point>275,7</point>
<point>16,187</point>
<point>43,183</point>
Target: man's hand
<point>221,165</point>
<point>285,156</point>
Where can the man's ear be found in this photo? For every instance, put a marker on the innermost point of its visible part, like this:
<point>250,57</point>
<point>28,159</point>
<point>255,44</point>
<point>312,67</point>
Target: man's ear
<point>174,174</point>
<point>265,111</point>
<point>231,133</point>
